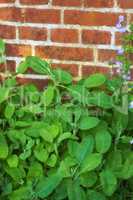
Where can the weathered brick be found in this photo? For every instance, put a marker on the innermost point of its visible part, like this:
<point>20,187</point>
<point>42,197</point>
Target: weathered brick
<point>40,83</point>
<point>32,33</point>
<point>18,50</point>
<point>65,53</point>
<point>99,3</point>
<point>42,16</point>
<point>64,35</point>
<point>7,1</point>
<point>32,2</point>
<point>96,37</point>
<point>119,38</point>
<point>126,4</point>
<point>72,68</point>
<point>10,14</point>
<point>90,18</point>
<point>7,32</point>
<point>10,66</point>
<point>106,55</point>
<point>67,2</point>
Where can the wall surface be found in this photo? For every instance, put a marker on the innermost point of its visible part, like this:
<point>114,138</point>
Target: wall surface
<point>77,35</point>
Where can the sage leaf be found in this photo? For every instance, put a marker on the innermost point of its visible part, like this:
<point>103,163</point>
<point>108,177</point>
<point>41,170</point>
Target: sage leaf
<point>87,123</point>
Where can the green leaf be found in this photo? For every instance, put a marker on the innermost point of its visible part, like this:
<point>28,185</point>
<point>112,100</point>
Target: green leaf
<point>108,182</point>
<point>38,65</point>
<point>3,147</point>
<point>9,111</point>
<point>35,170</point>
<point>101,99</point>
<point>12,160</point>
<point>62,76</point>
<point>4,93</point>
<point>2,47</point>
<point>127,170</point>
<point>103,141</point>
<point>94,195</point>
<point>48,95</point>
<point>91,162</point>
<point>21,194</point>
<point>22,67</point>
<point>88,179</point>
<point>95,80</point>
<point>75,191</point>
<point>87,123</point>
<point>47,185</point>
<point>17,174</point>
<point>65,136</point>
<point>41,154</point>
<point>52,160</point>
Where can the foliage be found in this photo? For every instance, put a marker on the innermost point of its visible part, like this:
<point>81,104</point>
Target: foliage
<point>69,141</point>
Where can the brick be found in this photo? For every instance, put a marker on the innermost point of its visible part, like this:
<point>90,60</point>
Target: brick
<point>126,4</point>
<point>64,35</point>
<point>65,53</point>
<point>99,3</point>
<point>7,32</point>
<point>10,14</point>
<point>90,18</point>
<point>106,55</point>
<point>11,65</point>
<point>32,33</point>
<point>18,50</point>
<point>96,37</point>
<point>67,2</point>
<point>42,16</point>
<point>119,38</point>
<point>33,2</point>
<point>72,68</point>
<point>7,1</point>
<point>40,83</point>
<point>88,70</point>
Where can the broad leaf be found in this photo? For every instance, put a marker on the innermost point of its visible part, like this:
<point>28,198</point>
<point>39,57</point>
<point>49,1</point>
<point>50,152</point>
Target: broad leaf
<point>9,111</point>
<point>4,93</point>
<point>94,195</point>
<point>62,76</point>
<point>3,147</point>
<point>108,182</point>
<point>48,95</point>
<point>103,141</point>
<point>12,161</point>
<point>95,80</point>
<point>91,162</point>
<point>87,123</point>
<point>47,185</point>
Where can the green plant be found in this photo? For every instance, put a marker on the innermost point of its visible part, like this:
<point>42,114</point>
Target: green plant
<point>70,141</point>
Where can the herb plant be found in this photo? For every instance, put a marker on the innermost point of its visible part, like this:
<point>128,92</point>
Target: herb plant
<point>69,141</point>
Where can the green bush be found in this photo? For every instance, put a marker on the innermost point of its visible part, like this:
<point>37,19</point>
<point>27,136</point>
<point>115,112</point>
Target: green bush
<point>70,141</point>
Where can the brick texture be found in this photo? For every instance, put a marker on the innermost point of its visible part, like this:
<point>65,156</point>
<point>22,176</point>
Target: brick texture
<point>79,35</point>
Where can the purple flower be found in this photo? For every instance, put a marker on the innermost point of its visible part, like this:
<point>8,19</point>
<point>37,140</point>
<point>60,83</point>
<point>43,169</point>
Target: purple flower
<point>121,18</point>
<point>120,52</point>
<point>118,25</point>
<point>119,63</point>
<point>122,30</point>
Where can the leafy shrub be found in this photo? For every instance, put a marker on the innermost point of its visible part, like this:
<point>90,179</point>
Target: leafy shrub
<point>70,141</point>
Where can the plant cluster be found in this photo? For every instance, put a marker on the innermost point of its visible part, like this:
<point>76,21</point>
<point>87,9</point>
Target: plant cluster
<point>70,141</point>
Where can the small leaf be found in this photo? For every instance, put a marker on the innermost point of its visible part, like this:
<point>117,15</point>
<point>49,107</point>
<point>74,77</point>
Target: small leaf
<point>87,123</point>
<point>52,160</point>
<point>95,80</point>
<point>88,179</point>
<point>91,162</point>
<point>35,170</point>
<point>22,67</point>
<point>12,161</point>
<point>3,147</point>
<point>41,154</point>
<point>93,195</point>
<point>9,111</point>
<point>4,93</point>
<point>103,141</point>
<point>48,95</point>
<point>108,182</point>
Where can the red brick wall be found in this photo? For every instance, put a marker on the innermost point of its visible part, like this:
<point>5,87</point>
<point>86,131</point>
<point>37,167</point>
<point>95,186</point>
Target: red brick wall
<point>77,35</point>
